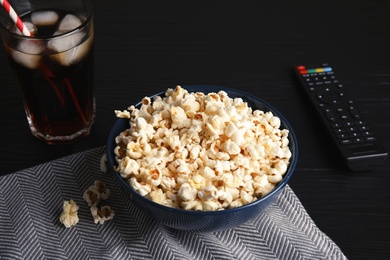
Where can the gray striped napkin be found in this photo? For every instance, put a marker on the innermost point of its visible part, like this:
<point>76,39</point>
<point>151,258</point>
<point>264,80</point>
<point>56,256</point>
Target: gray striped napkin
<point>31,203</point>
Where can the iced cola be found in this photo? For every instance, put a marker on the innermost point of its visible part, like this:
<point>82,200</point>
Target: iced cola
<point>55,70</point>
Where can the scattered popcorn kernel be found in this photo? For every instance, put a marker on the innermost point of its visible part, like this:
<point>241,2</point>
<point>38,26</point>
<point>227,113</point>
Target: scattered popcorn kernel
<point>200,151</point>
<point>69,215</point>
<point>103,163</point>
<point>95,192</point>
<point>103,214</point>
<point>101,187</point>
<point>91,196</point>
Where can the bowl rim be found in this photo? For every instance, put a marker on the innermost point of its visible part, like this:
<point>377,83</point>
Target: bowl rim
<point>293,143</point>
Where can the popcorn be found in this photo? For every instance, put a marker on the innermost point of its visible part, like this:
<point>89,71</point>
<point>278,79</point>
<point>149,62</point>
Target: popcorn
<point>199,151</point>
<point>192,205</point>
<point>210,205</point>
<point>69,215</point>
<point>186,192</point>
<point>94,193</point>
<point>128,167</point>
<point>122,114</point>
<point>143,188</point>
<point>102,189</point>
<point>103,214</point>
<point>93,196</point>
<point>103,163</point>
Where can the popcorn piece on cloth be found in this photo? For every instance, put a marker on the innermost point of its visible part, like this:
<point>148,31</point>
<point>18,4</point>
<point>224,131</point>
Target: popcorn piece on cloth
<point>101,187</point>
<point>91,196</point>
<point>69,215</point>
<point>95,192</point>
<point>103,163</point>
<point>103,214</point>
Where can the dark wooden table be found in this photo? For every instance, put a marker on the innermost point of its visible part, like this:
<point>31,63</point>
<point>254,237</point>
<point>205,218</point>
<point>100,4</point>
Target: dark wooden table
<point>144,47</point>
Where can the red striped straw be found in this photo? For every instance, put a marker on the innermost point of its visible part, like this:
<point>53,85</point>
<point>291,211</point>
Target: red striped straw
<point>23,29</point>
<point>11,12</point>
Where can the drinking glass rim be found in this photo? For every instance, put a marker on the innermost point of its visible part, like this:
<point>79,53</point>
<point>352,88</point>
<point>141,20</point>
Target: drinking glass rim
<point>89,17</point>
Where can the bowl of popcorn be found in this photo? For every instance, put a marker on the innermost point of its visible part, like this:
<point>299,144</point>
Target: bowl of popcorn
<point>202,158</point>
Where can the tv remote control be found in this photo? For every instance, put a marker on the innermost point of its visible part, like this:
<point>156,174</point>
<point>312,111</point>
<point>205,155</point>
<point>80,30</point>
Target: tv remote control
<point>350,132</point>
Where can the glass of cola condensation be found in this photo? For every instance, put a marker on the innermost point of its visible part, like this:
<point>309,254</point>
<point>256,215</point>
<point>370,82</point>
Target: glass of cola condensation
<point>54,66</point>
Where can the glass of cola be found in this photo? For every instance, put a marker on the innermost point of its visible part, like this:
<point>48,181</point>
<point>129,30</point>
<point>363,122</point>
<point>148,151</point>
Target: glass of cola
<point>54,66</point>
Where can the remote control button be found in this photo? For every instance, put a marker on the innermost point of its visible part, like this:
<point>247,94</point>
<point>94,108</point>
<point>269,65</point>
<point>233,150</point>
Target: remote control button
<point>335,125</point>
<point>342,136</point>
<point>371,139</point>
<point>349,123</point>
<point>352,135</point>
<point>330,115</point>
<point>351,129</point>
<point>363,128</point>
<point>354,112</point>
<point>367,133</point>
<point>330,97</point>
<point>339,131</point>
<point>360,122</point>
<point>345,141</point>
<point>358,140</point>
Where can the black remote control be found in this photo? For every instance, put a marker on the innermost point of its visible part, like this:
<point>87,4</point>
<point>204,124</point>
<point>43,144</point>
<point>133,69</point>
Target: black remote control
<point>350,132</point>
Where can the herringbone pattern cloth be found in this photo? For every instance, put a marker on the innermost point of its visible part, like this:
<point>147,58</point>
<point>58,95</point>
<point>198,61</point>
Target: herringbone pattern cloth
<point>31,203</point>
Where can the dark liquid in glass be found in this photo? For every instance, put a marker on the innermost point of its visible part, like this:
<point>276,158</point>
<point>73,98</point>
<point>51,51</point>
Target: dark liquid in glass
<point>58,98</point>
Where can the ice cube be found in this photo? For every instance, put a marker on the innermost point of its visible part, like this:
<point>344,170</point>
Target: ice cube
<point>30,27</point>
<point>69,22</point>
<point>68,55</point>
<point>44,18</point>
<point>28,53</point>
<point>66,42</point>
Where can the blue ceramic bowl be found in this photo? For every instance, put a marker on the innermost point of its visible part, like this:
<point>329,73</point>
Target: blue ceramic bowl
<point>198,221</point>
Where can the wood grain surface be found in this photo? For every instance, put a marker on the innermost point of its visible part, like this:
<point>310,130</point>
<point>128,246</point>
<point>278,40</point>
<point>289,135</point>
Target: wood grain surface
<point>144,47</point>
